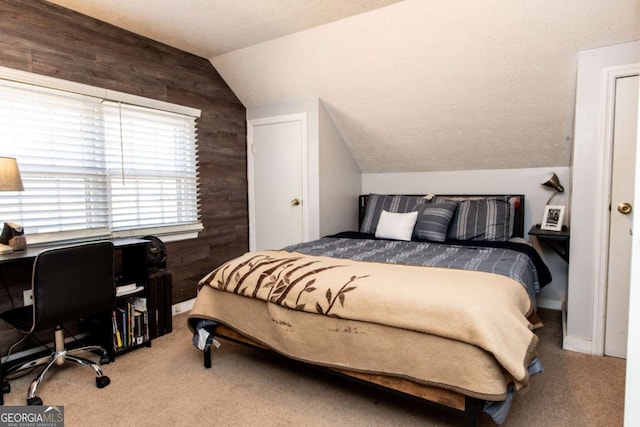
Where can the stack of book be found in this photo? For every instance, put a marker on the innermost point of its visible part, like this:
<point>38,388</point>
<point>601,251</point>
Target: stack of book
<point>130,322</point>
<point>127,289</point>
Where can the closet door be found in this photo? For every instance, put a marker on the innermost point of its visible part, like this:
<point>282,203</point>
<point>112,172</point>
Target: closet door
<point>276,171</point>
<point>622,211</point>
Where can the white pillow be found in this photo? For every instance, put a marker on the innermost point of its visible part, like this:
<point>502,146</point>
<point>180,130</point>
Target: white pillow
<point>397,226</point>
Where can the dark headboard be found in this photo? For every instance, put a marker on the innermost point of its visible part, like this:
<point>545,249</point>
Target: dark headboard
<point>518,224</point>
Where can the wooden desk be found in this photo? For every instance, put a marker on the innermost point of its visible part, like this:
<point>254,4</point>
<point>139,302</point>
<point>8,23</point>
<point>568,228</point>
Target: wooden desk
<point>31,252</point>
<point>130,265</point>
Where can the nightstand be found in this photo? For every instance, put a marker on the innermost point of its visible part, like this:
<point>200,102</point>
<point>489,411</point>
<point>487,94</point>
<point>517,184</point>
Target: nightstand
<point>558,241</point>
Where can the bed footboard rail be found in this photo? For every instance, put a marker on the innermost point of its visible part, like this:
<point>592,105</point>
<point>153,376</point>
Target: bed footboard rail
<point>466,406</point>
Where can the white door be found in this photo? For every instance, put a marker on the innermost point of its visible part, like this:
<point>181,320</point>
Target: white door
<point>276,151</point>
<point>622,210</point>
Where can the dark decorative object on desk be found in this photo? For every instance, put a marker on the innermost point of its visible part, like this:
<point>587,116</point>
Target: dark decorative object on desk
<point>13,235</point>
<point>156,253</point>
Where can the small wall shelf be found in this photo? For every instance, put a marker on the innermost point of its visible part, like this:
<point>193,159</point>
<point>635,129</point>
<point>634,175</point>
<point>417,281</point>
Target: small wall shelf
<point>558,241</point>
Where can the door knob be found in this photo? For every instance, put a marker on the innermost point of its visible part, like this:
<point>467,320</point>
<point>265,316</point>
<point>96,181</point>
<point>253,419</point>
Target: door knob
<point>295,202</point>
<point>624,208</point>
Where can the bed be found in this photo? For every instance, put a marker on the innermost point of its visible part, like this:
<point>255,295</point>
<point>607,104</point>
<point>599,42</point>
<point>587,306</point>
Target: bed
<point>433,296</point>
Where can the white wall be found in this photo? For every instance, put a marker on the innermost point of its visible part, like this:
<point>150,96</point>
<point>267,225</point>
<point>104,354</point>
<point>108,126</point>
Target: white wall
<point>340,179</point>
<point>590,200</point>
<point>495,181</point>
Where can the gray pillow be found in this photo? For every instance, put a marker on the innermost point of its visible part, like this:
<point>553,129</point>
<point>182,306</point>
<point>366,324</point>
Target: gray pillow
<point>481,219</point>
<point>433,220</point>
<point>376,203</point>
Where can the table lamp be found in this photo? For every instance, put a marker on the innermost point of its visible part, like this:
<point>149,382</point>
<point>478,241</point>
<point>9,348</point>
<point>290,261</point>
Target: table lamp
<point>552,182</point>
<point>10,180</point>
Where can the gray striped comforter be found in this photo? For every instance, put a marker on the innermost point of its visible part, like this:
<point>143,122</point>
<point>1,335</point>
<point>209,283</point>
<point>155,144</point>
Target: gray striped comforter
<point>507,262</point>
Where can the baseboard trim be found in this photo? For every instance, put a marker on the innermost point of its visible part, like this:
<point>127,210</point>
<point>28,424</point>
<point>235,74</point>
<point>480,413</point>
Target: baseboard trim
<point>569,343</point>
<point>183,306</point>
<point>550,304</point>
<point>579,345</point>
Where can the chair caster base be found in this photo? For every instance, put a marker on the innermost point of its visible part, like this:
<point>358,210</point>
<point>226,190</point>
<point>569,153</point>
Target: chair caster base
<point>105,360</point>
<point>103,381</point>
<point>34,401</point>
<point>6,387</point>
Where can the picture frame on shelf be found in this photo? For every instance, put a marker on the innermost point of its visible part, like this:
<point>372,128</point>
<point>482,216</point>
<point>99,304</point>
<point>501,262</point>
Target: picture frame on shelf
<point>552,218</point>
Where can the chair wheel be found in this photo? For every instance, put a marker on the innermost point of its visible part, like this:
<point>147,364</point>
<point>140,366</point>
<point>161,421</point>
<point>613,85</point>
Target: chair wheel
<point>6,387</point>
<point>103,381</point>
<point>104,360</point>
<point>34,401</point>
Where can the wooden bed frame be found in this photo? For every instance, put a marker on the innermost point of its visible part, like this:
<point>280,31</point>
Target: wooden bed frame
<point>466,406</point>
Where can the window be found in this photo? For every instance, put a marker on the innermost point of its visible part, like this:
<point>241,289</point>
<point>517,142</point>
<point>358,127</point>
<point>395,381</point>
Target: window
<point>95,164</point>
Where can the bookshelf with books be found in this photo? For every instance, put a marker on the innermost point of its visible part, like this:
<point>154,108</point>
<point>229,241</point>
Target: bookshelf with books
<point>130,321</point>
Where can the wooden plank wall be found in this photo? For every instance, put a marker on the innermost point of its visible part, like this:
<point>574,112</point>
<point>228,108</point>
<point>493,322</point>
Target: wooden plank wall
<point>43,38</point>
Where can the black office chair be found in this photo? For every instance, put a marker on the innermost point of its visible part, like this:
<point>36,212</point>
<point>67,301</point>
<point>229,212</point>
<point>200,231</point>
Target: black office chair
<point>69,284</point>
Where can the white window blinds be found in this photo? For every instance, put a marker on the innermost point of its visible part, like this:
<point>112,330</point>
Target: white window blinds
<point>151,167</point>
<point>92,167</point>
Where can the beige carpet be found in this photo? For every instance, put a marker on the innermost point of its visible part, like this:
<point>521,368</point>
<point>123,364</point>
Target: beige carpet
<point>166,385</point>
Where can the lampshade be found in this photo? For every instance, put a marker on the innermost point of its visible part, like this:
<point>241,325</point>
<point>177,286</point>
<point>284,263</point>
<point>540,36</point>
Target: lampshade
<point>10,179</point>
<point>553,183</point>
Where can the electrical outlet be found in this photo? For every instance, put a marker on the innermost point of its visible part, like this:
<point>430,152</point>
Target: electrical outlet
<point>27,297</point>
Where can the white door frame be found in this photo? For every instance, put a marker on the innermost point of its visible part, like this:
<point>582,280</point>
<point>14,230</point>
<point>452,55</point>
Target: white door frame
<point>600,290</point>
<point>589,193</point>
<point>251,124</point>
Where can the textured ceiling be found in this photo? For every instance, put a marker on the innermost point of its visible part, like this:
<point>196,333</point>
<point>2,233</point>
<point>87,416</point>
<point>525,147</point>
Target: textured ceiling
<point>414,86</point>
<point>208,28</point>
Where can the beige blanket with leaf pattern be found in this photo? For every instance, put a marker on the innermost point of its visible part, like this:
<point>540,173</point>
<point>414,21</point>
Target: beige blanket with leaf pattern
<point>483,309</point>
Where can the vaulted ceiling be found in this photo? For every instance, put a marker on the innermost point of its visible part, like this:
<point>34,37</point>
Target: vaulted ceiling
<point>414,85</point>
